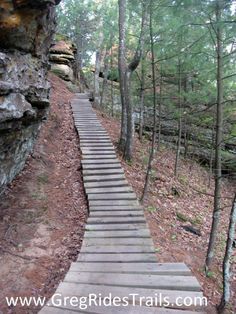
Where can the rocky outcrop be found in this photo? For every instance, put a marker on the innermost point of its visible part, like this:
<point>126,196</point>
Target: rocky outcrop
<point>62,58</point>
<point>26,29</point>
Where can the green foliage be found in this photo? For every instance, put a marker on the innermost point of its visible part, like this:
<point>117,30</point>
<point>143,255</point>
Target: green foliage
<point>182,217</point>
<point>185,41</point>
<point>42,178</point>
<point>151,209</point>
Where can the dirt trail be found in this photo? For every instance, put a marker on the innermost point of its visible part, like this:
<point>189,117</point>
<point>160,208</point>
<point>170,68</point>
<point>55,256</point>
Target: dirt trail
<point>43,212</point>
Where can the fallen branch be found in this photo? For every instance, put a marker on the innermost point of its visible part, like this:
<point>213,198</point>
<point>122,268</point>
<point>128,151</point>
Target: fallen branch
<point>14,254</point>
<point>207,194</point>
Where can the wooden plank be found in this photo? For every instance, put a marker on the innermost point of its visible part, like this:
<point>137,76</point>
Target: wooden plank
<point>92,151</point>
<point>141,233</point>
<point>103,184</point>
<point>117,249</point>
<point>71,289</point>
<point>85,138</point>
<point>117,257</point>
<point>175,269</point>
<point>99,161</point>
<point>82,96</point>
<point>107,154</point>
<point>114,241</point>
<point>100,172</point>
<point>112,196</point>
<point>121,208</point>
<point>103,177</point>
<point>89,126</point>
<point>117,220</point>
<point>99,190</point>
<point>181,283</point>
<point>116,226</point>
<point>93,145</point>
<point>85,117</point>
<point>97,149</point>
<point>103,309</point>
<point>102,166</point>
<point>110,213</point>
<point>88,123</point>
<point>92,132</point>
<point>114,202</point>
<point>92,156</point>
<point>94,141</point>
<point>95,129</point>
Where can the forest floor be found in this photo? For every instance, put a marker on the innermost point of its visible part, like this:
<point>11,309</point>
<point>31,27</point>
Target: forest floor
<point>43,211</point>
<point>174,202</point>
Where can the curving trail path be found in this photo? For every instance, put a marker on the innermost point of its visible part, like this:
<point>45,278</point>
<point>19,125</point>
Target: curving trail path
<point>117,256</point>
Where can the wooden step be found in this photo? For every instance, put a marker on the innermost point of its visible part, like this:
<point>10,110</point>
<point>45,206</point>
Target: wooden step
<point>117,249</point>
<point>104,309</point>
<point>92,156</point>
<point>120,208</point>
<point>103,177</point>
<point>107,190</point>
<point>113,213</point>
<point>101,172</point>
<point>117,220</point>
<point>114,241</point>
<point>107,232</point>
<point>116,226</point>
<point>103,161</point>
<point>180,283</point>
<point>175,269</point>
<point>112,196</point>
<point>113,202</point>
<point>102,166</point>
<point>71,289</point>
<point>117,183</point>
<point>117,257</point>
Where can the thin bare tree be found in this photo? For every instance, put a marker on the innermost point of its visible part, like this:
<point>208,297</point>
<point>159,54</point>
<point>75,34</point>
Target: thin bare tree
<point>226,264</point>
<point>153,144</point>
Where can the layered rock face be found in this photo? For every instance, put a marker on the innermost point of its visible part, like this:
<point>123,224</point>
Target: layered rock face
<point>26,29</point>
<point>62,58</point>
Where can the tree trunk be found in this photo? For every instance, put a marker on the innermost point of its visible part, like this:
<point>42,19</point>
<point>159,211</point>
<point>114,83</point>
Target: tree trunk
<point>112,92</point>
<point>151,156</point>
<point>122,70</point>
<point>129,117</point>
<point>125,77</point>
<point>159,111</point>
<point>219,133</point>
<point>211,156</point>
<point>97,70</point>
<point>79,53</point>
<point>142,83</point>
<point>179,123</point>
<point>185,137</point>
<point>226,264</point>
<point>105,74</point>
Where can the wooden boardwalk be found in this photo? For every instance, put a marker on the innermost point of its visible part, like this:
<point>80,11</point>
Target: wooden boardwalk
<point>117,255</point>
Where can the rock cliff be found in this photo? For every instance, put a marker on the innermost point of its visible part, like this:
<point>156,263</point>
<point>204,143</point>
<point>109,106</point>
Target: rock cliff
<point>62,58</point>
<point>26,29</point>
